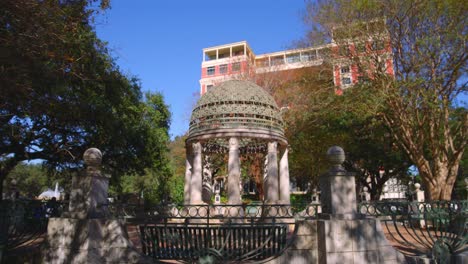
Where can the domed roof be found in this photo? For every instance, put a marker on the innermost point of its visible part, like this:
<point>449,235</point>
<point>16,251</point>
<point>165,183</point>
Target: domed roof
<point>236,106</point>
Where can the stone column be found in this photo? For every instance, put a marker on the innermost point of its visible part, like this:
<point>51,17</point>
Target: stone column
<point>86,234</point>
<point>88,197</point>
<point>365,194</point>
<point>345,236</point>
<point>188,173</point>
<point>284,190</point>
<point>338,188</point>
<point>271,188</point>
<point>420,199</point>
<point>196,181</point>
<point>233,172</point>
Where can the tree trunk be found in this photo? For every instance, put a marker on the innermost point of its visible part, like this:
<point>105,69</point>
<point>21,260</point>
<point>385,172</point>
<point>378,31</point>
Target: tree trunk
<point>440,185</point>
<point>5,168</point>
<point>375,196</point>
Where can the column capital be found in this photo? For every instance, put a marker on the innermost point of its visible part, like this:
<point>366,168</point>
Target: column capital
<point>196,147</point>
<point>272,146</point>
<point>233,143</point>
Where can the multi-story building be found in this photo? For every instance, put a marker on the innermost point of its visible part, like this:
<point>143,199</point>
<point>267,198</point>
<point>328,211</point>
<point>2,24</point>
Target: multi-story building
<point>237,60</point>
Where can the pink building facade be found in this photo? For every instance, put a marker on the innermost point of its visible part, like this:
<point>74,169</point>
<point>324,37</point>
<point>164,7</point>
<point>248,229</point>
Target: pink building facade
<point>238,61</point>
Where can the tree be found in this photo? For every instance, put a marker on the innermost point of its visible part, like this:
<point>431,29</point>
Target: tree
<point>177,155</point>
<point>373,154</point>
<point>308,132</point>
<point>29,179</point>
<point>427,43</point>
<point>61,93</point>
<point>177,161</point>
<point>460,190</point>
<point>315,121</point>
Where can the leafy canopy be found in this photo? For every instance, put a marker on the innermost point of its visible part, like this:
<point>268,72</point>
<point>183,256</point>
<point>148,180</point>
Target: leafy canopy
<point>61,93</point>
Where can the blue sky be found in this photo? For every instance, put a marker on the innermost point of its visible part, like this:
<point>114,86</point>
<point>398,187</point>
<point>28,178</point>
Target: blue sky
<point>161,42</point>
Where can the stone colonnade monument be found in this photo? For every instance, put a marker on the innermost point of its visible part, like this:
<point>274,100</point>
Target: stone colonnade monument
<point>236,118</point>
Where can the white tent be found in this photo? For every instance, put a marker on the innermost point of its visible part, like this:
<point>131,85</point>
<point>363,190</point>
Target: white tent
<point>49,193</point>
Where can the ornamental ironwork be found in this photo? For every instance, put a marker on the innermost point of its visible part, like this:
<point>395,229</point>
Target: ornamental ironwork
<point>436,230</point>
<point>245,233</point>
<point>24,222</point>
<point>234,105</point>
<point>246,146</point>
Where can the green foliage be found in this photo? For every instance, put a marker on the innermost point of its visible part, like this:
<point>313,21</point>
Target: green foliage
<point>248,198</point>
<point>153,185</point>
<point>318,119</point>
<point>308,134</point>
<point>176,187</point>
<point>300,199</point>
<point>177,164</point>
<point>61,93</point>
<point>177,155</point>
<point>426,42</point>
<point>30,180</point>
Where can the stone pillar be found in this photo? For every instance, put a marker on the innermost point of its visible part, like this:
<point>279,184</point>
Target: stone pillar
<point>196,182</point>
<point>345,236</point>
<point>217,191</point>
<point>420,199</point>
<point>271,188</point>
<point>338,188</point>
<point>315,196</point>
<point>85,234</point>
<point>188,173</point>
<point>233,190</point>
<point>88,197</point>
<point>365,195</point>
<point>284,188</point>
<point>419,193</point>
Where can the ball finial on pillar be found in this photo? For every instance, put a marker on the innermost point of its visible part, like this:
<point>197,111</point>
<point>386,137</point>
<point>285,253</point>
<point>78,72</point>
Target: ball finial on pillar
<point>417,186</point>
<point>92,157</point>
<point>336,156</point>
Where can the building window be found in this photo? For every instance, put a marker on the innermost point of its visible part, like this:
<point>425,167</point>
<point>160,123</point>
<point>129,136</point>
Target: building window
<point>208,87</point>
<point>239,53</point>
<point>236,66</point>
<point>346,81</point>
<point>263,62</point>
<point>345,69</point>
<point>292,58</point>
<point>277,60</point>
<point>210,70</point>
<point>308,56</point>
<point>223,68</point>
<point>223,55</point>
